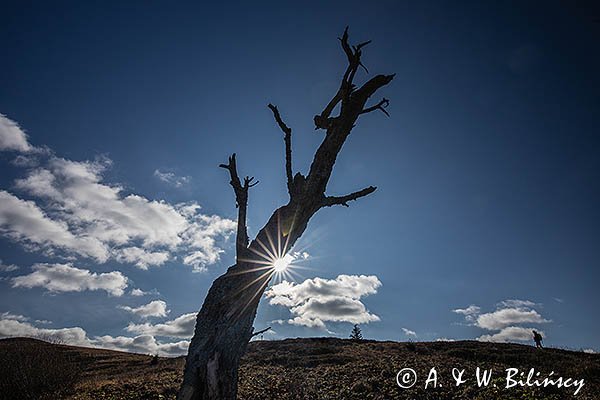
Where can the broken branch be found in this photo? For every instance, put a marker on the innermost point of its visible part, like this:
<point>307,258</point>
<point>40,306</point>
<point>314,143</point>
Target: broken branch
<point>288,146</point>
<point>241,202</point>
<point>259,332</point>
<point>343,200</point>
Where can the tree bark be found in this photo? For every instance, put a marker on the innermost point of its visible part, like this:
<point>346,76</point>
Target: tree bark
<point>224,323</point>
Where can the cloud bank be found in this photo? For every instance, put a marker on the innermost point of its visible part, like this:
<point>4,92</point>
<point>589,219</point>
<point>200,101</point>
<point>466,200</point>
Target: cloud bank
<point>16,325</point>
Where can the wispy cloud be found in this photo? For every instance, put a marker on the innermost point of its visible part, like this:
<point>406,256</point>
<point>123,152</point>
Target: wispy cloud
<point>7,267</point>
<point>470,312</point>
<point>516,303</point>
<point>171,179</point>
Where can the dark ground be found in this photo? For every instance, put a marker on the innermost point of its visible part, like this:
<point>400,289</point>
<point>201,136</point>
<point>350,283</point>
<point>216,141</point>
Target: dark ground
<point>311,369</point>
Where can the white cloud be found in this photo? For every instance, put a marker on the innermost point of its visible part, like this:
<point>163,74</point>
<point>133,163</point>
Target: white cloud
<point>171,178</point>
<point>589,351</point>
<point>408,332</point>
<point>23,221</point>
<point>12,137</point>
<point>12,327</point>
<point>156,308</point>
<point>444,339</point>
<point>66,278</point>
<point>316,301</point>
<point>7,267</point>
<point>510,334</point>
<point>502,318</point>
<point>141,258</point>
<point>75,189</point>
<point>146,344</point>
<point>506,320</point>
<point>180,327</point>
<point>139,292</point>
<point>78,213</point>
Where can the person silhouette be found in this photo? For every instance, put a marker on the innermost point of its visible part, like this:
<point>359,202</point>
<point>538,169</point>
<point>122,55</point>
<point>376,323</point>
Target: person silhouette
<point>538,340</point>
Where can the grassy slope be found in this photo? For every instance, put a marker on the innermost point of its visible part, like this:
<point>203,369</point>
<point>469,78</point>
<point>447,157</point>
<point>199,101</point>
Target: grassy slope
<point>301,369</point>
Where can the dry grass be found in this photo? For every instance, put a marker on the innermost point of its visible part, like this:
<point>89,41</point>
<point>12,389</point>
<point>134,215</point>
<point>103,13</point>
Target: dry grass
<point>321,368</point>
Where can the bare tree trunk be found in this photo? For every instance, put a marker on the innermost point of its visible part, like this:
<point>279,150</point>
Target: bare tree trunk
<point>224,324</point>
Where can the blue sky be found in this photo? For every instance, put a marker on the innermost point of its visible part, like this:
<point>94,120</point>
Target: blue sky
<point>115,116</point>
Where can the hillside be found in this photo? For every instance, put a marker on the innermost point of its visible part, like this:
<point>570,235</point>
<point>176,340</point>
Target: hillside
<point>320,368</point>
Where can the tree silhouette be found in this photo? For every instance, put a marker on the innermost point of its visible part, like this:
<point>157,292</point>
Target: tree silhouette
<point>356,333</point>
<point>224,323</point>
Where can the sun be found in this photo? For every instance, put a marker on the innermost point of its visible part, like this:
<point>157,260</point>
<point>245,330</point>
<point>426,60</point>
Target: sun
<point>281,264</point>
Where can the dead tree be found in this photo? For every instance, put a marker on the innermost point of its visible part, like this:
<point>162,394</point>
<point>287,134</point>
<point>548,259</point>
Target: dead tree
<point>224,324</point>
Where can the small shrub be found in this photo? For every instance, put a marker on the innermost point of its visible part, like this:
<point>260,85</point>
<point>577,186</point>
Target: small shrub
<point>356,333</point>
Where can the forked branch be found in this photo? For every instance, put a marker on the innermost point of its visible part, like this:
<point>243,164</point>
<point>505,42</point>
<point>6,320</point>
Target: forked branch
<point>241,202</point>
<point>382,105</point>
<point>353,54</point>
